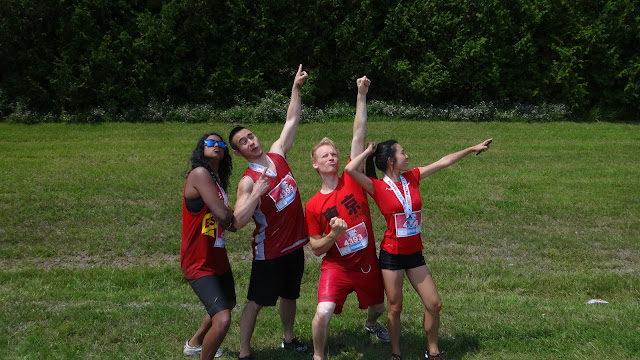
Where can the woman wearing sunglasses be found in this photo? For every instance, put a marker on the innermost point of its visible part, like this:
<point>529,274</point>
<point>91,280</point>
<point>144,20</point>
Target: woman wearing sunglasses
<point>398,197</point>
<point>203,257</point>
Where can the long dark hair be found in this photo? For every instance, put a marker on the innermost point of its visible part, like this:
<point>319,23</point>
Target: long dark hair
<point>384,151</point>
<point>197,159</point>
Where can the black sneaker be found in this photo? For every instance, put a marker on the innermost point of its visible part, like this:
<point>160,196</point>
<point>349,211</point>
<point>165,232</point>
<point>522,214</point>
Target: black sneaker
<point>379,331</point>
<point>438,356</point>
<point>395,357</point>
<point>296,345</point>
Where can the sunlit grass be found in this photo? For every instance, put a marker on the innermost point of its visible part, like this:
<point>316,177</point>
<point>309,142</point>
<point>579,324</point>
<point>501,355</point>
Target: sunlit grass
<point>518,239</point>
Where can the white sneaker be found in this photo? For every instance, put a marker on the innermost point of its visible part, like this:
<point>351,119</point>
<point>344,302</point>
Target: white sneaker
<point>196,350</point>
<point>191,350</point>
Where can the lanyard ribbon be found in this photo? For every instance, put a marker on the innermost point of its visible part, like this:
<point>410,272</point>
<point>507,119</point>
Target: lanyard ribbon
<point>406,200</point>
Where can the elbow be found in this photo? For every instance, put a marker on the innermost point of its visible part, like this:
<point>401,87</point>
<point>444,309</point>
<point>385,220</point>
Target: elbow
<point>349,169</point>
<point>317,249</point>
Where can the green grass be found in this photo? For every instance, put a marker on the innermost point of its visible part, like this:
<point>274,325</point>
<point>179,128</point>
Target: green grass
<point>518,239</point>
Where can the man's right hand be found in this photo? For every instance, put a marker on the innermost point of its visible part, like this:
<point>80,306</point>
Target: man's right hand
<point>338,226</point>
<point>261,185</point>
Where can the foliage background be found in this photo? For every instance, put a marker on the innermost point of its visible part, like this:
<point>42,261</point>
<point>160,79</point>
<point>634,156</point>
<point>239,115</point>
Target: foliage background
<point>117,57</point>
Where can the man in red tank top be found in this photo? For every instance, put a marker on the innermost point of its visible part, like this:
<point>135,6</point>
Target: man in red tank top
<point>340,212</point>
<point>280,232</point>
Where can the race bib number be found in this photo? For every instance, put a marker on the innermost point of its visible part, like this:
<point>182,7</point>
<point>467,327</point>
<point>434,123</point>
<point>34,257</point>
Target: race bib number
<point>284,193</point>
<point>408,226</point>
<point>210,227</point>
<point>353,239</point>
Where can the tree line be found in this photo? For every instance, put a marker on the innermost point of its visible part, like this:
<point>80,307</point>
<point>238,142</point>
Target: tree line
<point>74,55</point>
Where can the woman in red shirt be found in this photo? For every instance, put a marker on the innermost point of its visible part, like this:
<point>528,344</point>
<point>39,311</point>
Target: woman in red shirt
<point>398,197</point>
<point>203,256</point>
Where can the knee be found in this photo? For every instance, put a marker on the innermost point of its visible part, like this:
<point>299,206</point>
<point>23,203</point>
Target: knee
<point>434,307</point>
<point>222,320</point>
<point>324,313</point>
<point>378,309</point>
<point>395,309</point>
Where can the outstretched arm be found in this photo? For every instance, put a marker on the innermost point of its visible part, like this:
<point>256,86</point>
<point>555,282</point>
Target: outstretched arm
<point>356,163</point>
<point>320,245</point>
<point>451,159</point>
<point>288,134</point>
<point>360,121</point>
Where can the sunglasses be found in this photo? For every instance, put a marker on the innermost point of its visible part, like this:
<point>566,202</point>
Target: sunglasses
<point>212,143</point>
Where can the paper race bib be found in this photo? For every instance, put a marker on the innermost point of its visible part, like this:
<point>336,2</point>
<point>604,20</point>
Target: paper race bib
<point>408,226</point>
<point>353,239</point>
<point>284,193</point>
<point>210,227</point>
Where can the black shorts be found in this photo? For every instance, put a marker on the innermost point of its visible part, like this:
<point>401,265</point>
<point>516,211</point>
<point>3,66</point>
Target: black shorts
<point>280,277</point>
<point>216,292</point>
<point>398,262</point>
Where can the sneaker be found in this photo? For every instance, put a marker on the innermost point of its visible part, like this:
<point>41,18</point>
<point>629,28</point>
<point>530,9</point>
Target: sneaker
<point>191,350</point>
<point>248,357</point>
<point>379,331</point>
<point>196,350</point>
<point>395,357</point>
<point>296,345</point>
<point>438,356</point>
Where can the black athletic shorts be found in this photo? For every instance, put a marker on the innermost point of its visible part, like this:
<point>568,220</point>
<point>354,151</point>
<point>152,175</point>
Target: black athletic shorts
<point>216,292</point>
<point>398,262</point>
<point>280,277</point>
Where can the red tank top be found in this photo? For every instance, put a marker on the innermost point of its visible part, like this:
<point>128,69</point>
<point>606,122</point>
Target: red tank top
<point>202,250</point>
<point>279,219</point>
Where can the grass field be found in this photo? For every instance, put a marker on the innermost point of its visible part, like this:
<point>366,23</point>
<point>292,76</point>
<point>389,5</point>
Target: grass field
<point>518,239</point>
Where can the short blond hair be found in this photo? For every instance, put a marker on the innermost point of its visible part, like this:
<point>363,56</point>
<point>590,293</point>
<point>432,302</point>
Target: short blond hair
<point>325,141</point>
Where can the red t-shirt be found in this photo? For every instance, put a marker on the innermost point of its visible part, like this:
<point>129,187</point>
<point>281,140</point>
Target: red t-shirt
<point>400,237</point>
<point>202,250</point>
<point>356,248</point>
<point>280,227</point>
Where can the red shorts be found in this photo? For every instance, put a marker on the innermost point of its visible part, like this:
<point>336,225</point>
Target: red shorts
<point>336,284</point>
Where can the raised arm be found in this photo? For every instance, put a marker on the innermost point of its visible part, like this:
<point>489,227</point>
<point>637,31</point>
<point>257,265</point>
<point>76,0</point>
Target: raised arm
<point>320,245</point>
<point>451,159</point>
<point>360,120</point>
<point>201,184</point>
<point>288,134</point>
<point>248,199</point>
<point>356,163</point>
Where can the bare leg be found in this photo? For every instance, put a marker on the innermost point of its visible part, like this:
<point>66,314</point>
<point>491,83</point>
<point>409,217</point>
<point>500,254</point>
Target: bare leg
<point>422,282</point>
<point>198,337</point>
<point>287,316</point>
<point>219,327</point>
<point>393,280</point>
<point>320,328</point>
<point>247,325</point>
<point>373,313</point>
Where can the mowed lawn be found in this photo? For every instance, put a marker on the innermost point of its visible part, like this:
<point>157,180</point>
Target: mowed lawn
<point>518,240</point>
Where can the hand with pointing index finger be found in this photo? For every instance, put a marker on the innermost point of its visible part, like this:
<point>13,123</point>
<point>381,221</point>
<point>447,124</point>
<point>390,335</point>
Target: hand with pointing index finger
<point>262,185</point>
<point>301,76</point>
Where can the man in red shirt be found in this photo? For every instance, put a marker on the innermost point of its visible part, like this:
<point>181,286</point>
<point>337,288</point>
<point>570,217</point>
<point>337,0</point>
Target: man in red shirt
<point>280,233</point>
<point>340,212</point>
